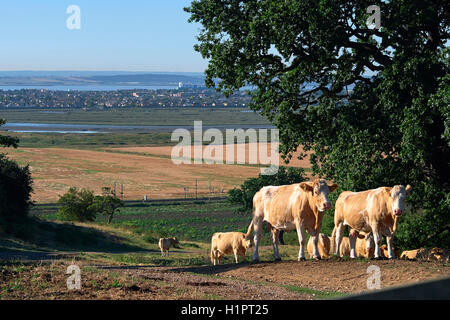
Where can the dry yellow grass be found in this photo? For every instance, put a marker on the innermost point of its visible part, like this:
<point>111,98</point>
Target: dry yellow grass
<point>141,170</point>
<point>243,150</point>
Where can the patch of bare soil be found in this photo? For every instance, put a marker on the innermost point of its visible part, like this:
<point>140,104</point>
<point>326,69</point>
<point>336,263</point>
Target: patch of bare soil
<point>266,280</point>
<point>332,274</point>
<point>48,281</point>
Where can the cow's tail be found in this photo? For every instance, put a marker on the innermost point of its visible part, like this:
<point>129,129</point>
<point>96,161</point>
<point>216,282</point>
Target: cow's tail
<point>333,241</point>
<point>249,230</point>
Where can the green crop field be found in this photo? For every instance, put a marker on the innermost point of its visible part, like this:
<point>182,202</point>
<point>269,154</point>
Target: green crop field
<point>194,220</point>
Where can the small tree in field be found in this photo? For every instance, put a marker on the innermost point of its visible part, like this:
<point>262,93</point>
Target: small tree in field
<point>107,204</point>
<point>77,205</point>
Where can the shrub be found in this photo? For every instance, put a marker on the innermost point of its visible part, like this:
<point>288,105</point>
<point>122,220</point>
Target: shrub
<point>77,205</point>
<point>15,189</point>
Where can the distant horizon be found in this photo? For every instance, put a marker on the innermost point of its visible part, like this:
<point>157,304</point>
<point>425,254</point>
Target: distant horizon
<point>102,71</point>
<point>132,36</point>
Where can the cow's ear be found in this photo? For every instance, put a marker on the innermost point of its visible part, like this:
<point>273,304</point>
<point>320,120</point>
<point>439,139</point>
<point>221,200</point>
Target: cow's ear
<point>332,187</point>
<point>306,187</point>
<point>408,189</point>
<point>388,190</point>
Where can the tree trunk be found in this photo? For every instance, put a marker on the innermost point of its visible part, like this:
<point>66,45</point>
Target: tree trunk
<point>110,217</point>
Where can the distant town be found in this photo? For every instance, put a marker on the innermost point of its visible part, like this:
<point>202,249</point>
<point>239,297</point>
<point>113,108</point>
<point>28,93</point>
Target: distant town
<point>194,96</point>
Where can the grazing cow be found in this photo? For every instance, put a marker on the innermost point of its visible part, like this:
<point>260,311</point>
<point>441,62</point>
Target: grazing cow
<point>166,243</point>
<point>299,206</point>
<point>323,244</point>
<point>229,243</point>
<point>374,211</point>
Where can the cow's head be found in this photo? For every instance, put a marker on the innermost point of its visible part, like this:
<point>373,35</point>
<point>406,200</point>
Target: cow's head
<point>174,240</point>
<point>398,195</point>
<point>319,190</point>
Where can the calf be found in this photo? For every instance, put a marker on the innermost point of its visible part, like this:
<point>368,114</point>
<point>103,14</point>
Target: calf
<point>323,244</point>
<point>166,243</point>
<point>229,243</point>
<point>364,246</point>
<point>427,254</point>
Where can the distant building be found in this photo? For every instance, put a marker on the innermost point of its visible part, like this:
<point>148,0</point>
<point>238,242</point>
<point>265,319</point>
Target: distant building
<point>180,85</point>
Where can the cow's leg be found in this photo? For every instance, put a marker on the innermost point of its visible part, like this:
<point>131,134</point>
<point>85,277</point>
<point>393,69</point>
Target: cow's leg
<point>352,238</point>
<point>213,257</point>
<point>236,256</point>
<point>315,239</point>
<point>376,239</point>
<point>301,239</point>
<point>339,234</point>
<point>390,244</point>
<point>257,226</point>
<point>275,241</point>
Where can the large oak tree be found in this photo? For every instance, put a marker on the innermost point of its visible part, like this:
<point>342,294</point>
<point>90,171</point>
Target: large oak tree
<point>372,106</point>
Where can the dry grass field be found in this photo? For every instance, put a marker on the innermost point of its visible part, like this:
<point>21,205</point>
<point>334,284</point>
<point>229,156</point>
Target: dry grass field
<point>142,171</point>
<point>54,170</point>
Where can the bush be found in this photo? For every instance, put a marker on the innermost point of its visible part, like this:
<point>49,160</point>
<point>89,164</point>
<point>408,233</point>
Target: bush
<point>15,189</point>
<point>244,194</point>
<point>77,205</point>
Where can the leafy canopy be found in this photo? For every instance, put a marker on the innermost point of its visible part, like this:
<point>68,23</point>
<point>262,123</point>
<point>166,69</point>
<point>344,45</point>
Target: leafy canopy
<point>371,106</point>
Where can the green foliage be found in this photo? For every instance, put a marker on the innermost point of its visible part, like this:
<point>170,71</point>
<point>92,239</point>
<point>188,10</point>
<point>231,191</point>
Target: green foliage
<point>77,205</point>
<point>309,62</point>
<point>244,194</point>
<point>15,189</point>
<point>8,141</point>
<point>107,204</point>
<point>15,184</point>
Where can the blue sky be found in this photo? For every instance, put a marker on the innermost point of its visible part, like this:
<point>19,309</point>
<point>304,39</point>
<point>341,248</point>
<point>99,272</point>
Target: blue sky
<point>128,35</point>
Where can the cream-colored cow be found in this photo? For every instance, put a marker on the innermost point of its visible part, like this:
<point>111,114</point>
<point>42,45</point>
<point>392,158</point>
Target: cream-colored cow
<point>229,243</point>
<point>375,211</point>
<point>364,246</point>
<point>427,254</point>
<point>323,245</point>
<point>299,206</point>
<point>166,243</point>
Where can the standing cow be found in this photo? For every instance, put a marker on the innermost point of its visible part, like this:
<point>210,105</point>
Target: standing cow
<point>298,206</point>
<point>376,211</point>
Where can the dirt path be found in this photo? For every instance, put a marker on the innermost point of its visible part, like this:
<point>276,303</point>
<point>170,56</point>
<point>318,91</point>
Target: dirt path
<point>329,275</point>
<point>267,280</point>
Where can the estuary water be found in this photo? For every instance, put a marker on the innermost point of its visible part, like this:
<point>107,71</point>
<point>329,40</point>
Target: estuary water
<point>106,128</point>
